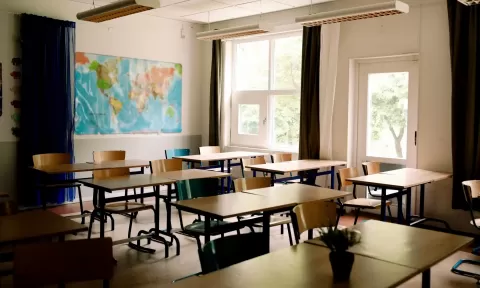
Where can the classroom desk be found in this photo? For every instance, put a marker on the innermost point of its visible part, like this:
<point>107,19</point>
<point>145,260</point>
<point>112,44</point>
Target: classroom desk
<point>86,167</point>
<point>310,167</point>
<point>403,245</point>
<point>221,158</point>
<point>302,265</point>
<point>240,204</point>
<point>36,225</point>
<point>104,186</point>
<point>403,180</point>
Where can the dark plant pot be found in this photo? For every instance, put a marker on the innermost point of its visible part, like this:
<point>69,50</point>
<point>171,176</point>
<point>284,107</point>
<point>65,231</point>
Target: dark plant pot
<point>342,263</point>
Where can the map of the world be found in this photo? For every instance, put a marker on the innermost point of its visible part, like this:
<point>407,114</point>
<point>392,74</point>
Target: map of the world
<point>115,95</point>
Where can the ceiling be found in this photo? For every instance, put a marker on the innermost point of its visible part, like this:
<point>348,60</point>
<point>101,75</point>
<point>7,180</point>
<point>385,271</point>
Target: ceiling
<point>205,11</point>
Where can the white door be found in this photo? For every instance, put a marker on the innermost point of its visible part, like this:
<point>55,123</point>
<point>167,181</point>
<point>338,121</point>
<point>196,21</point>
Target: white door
<point>387,114</point>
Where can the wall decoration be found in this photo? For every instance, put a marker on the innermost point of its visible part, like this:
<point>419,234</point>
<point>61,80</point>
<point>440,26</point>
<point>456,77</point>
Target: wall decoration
<point>16,75</point>
<point>116,95</point>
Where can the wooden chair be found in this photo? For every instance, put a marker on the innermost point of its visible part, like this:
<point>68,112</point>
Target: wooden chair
<point>165,165</point>
<point>374,168</point>
<point>243,184</point>
<point>129,209</point>
<point>283,157</point>
<point>49,159</point>
<point>471,191</point>
<point>205,150</point>
<point>41,264</point>
<point>313,215</point>
<point>357,203</point>
<point>251,161</point>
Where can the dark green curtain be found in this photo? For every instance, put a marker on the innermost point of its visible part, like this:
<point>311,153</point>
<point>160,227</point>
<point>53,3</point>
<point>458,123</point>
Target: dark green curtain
<point>215,90</point>
<point>309,145</point>
<point>465,59</point>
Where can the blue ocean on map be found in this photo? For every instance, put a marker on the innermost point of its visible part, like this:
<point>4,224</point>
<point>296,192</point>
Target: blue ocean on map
<point>117,95</point>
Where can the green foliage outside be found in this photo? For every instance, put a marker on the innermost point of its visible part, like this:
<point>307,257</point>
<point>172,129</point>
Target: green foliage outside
<point>389,109</point>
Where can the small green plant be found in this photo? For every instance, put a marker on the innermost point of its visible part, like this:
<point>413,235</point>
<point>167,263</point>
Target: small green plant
<point>339,240</point>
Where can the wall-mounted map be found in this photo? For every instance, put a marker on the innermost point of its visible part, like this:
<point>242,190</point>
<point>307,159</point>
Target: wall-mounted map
<point>116,95</point>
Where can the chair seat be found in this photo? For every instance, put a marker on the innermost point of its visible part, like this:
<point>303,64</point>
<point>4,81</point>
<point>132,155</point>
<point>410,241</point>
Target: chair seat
<point>127,207</point>
<point>274,221</point>
<point>378,192</point>
<point>365,203</point>
<point>476,223</point>
<point>199,227</point>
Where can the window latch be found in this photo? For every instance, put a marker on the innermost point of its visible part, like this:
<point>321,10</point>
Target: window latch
<point>265,121</point>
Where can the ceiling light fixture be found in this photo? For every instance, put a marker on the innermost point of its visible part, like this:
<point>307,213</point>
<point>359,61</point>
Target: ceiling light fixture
<point>117,9</point>
<point>354,13</point>
<point>234,32</point>
<point>469,2</point>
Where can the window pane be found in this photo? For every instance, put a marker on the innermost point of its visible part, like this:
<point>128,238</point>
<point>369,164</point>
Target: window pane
<point>286,122</point>
<point>288,63</point>
<point>252,65</point>
<point>248,119</point>
<point>387,115</point>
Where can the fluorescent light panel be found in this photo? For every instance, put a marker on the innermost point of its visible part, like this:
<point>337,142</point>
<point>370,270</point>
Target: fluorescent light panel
<point>234,32</point>
<point>117,9</point>
<point>469,2</point>
<point>355,13</point>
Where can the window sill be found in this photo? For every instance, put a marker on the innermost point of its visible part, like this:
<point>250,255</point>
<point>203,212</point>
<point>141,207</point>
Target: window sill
<point>261,150</point>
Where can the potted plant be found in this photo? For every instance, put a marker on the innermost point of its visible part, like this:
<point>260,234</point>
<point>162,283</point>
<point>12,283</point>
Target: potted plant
<point>338,241</point>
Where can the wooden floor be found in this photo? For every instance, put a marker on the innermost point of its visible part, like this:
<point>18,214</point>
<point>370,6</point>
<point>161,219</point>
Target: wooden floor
<point>135,269</point>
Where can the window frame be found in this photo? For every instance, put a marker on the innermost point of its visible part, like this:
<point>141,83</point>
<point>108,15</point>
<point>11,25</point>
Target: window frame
<point>264,98</point>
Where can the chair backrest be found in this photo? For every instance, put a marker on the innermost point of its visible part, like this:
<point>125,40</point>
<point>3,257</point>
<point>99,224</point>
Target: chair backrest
<point>251,161</point>
<point>471,190</point>
<point>283,157</point>
<point>223,252</point>
<point>165,165</point>
<point>102,156</point>
<point>49,263</point>
<point>170,153</point>
<point>205,150</point>
<point>51,159</point>
<point>242,184</point>
<point>345,173</point>
<point>371,168</point>
<point>195,188</point>
<point>8,207</point>
<point>313,215</point>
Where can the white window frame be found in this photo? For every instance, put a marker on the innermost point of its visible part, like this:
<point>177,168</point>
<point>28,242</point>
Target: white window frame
<point>264,98</point>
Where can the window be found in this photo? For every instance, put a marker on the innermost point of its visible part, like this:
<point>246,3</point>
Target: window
<point>266,75</point>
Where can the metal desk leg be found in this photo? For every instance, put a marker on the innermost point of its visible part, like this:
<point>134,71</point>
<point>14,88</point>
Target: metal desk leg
<point>266,229</point>
<point>169,208</point>
<point>400,208</point>
<point>222,168</point>
<point>101,212</point>
<point>207,228</point>
<point>157,210</point>
<point>141,189</point>
<point>229,178</point>
<point>426,279</point>
<point>409,206</point>
<point>272,178</point>
<point>384,204</point>
<point>422,201</point>
<point>332,177</point>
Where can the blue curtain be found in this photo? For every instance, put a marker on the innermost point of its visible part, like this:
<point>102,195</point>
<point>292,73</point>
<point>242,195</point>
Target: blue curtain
<point>47,100</point>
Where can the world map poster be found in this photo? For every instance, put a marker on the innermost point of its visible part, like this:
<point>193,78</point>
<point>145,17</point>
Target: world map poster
<point>117,95</point>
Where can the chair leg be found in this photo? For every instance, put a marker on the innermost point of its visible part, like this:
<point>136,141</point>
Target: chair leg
<point>390,213</point>
<point>92,218</point>
<point>199,244</point>
<point>130,226</point>
<point>289,235</point>
<point>281,229</point>
<point>81,203</point>
<point>357,212</point>
<point>111,219</point>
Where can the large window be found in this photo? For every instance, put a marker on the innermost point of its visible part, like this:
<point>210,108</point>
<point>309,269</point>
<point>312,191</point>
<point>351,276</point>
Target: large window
<point>266,91</point>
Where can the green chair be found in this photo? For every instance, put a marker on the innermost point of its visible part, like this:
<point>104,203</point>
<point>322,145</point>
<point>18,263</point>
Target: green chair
<point>196,188</point>
<point>170,153</point>
<point>224,252</point>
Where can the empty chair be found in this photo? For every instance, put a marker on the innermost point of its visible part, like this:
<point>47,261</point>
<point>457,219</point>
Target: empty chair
<point>251,161</point>
<point>370,168</point>
<point>170,153</point>
<point>41,264</point>
<point>57,159</point>
<point>205,150</point>
<point>191,189</point>
<point>244,184</point>
<point>314,215</point>
<point>471,190</point>
<point>284,157</point>
<point>165,165</point>
<point>357,203</point>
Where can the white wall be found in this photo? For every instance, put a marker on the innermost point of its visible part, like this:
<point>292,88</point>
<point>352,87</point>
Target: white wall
<point>425,31</point>
<point>136,36</point>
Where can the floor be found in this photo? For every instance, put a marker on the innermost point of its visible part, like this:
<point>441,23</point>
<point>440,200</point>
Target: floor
<point>135,269</point>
